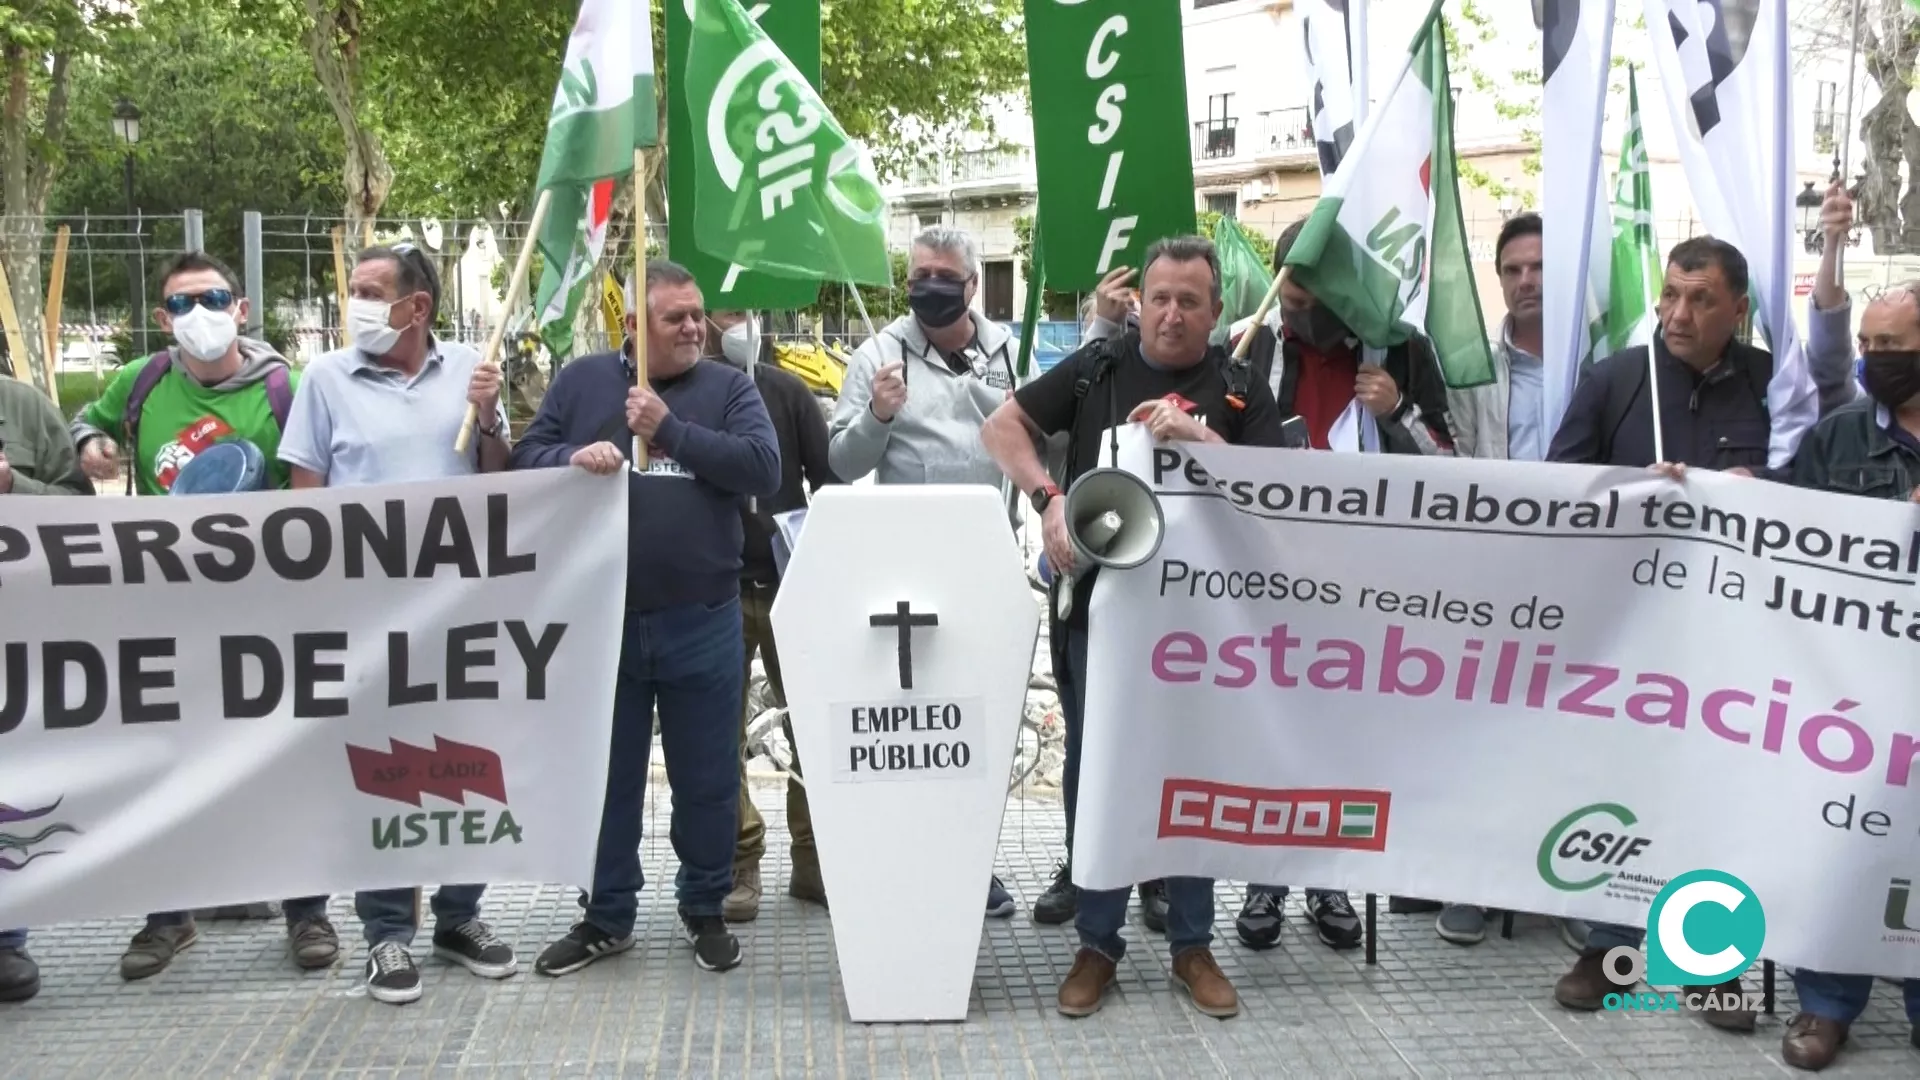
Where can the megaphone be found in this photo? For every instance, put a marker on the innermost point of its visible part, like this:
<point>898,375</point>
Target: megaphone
<point>1114,520</point>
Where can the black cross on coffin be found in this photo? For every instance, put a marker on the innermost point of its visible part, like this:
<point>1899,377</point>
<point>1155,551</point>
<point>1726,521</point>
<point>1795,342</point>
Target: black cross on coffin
<point>904,620</point>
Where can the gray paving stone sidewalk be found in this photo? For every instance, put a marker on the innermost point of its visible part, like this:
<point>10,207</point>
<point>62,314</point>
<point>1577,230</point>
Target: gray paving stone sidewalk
<point>233,1006</point>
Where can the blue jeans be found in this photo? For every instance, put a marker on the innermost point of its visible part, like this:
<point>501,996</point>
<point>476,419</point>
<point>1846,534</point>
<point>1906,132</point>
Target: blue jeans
<point>13,939</point>
<point>387,914</point>
<point>1844,997</point>
<point>1189,917</point>
<point>687,660</point>
<point>306,907</point>
<point>1069,684</point>
<point>1602,936</point>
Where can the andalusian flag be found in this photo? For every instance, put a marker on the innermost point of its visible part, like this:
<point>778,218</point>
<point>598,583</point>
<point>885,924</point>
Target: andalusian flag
<point>781,188</point>
<point>1636,272</point>
<point>603,110</point>
<point>1386,247</point>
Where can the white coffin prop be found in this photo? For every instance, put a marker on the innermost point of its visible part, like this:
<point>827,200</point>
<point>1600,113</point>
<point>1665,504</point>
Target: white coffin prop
<point>907,784</point>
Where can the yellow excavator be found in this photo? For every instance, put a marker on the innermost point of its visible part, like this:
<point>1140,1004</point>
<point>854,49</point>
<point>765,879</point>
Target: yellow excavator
<point>821,366</point>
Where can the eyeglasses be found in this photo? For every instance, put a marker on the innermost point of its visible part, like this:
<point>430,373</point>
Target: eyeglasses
<point>1872,293</point>
<point>212,299</point>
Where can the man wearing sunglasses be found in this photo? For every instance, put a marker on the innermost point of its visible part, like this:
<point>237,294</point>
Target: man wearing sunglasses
<point>36,458</point>
<point>387,410</point>
<point>212,386</point>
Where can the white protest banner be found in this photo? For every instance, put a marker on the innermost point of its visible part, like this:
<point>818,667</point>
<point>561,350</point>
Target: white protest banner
<point>207,701</point>
<point>1543,688</point>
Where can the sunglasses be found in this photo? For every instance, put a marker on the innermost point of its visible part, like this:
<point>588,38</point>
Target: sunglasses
<point>213,300</point>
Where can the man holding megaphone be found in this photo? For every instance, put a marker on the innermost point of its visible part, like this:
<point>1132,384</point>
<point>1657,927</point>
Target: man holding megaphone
<point>1164,375</point>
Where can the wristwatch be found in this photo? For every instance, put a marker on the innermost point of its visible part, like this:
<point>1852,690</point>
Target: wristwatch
<point>1042,496</point>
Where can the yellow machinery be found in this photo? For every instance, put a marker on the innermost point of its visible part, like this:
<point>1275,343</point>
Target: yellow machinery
<point>821,366</point>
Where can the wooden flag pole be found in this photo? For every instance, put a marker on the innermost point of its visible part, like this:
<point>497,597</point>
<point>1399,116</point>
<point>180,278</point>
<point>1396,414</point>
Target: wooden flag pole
<point>516,286</point>
<point>56,292</point>
<point>639,290</point>
<point>1259,315</point>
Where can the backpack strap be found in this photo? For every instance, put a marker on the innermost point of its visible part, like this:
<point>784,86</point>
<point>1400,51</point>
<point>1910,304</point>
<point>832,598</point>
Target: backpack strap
<point>149,377</point>
<point>279,395</point>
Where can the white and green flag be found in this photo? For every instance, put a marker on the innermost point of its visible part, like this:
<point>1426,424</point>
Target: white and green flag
<point>1636,272</point>
<point>1385,248</point>
<point>603,110</point>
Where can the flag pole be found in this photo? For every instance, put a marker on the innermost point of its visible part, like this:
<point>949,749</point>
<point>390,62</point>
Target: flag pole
<point>639,289</point>
<point>1845,156</point>
<point>1260,315</point>
<point>516,288</point>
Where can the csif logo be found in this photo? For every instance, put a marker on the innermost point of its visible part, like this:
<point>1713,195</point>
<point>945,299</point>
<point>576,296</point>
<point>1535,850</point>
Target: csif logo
<point>1576,853</point>
<point>449,772</point>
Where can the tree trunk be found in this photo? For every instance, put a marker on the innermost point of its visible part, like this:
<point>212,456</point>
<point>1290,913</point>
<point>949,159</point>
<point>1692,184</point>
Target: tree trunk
<point>26,175</point>
<point>333,41</point>
<point>1889,205</point>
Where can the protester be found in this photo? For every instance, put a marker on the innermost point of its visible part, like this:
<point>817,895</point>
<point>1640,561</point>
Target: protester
<point>36,458</point>
<point>213,386</point>
<point>1713,415</point>
<point>1317,369</point>
<point>916,393</point>
<point>1132,377</point>
<point>1869,448</point>
<point>1505,420</point>
<point>386,410</point>
<point>801,431</point>
<point>1829,308</point>
<point>709,443</point>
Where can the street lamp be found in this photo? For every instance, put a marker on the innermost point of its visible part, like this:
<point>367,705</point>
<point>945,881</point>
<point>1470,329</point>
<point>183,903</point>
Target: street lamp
<point>1809,202</point>
<point>126,128</point>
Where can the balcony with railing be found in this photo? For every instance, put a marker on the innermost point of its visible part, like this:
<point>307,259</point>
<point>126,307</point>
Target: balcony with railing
<point>1215,139</point>
<point>1286,131</point>
<point>977,168</point>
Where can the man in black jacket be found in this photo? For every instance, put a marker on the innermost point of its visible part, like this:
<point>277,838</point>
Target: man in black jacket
<point>801,430</point>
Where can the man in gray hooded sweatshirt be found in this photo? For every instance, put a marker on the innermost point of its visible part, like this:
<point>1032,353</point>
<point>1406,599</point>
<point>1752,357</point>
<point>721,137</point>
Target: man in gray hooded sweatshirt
<point>917,393</point>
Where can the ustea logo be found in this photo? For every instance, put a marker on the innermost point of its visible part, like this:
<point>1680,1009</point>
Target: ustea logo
<point>1594,846</point>
<point>448,772</point>
<point>1901,929</point>
<point>1275,817</point>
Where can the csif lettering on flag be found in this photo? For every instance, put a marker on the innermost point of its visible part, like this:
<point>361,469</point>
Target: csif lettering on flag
<point>794,27</point>
<point>1108,83</point>
<point>603,110</point>
<point>1728,80</point>
<point>1635,262</point>
<point>1385,248</point>
<point>780,188</point>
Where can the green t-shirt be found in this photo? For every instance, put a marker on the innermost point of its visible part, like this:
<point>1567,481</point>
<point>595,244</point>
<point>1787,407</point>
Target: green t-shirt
<point>181,418</point>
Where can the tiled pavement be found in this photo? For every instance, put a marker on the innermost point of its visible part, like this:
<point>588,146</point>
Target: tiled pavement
<point>234,1006</point>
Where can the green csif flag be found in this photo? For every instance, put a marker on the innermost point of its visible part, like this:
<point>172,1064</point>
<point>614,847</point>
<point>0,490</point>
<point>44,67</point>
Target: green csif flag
<point>781,188</point>
<point>1636,275</point>
<point>1244,277</point>
<point>1385,248</point>
<point>603,110</point>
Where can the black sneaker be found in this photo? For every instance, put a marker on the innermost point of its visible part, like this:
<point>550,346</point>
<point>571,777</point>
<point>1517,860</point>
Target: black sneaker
<point>473,946</point>
<point>1061,901</point>
<point>714,946</point>
<point>19,976</point>
<point>391,976</point>
<point>1260,919</point>
<point>1000,903</point>
<point>583,944</point>
<point>1332,915</point>
<point>1153,905</point>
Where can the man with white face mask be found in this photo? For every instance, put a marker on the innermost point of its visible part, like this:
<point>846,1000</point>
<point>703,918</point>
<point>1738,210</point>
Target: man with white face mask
<point>801,430</point>
<point>213,386</point>
<point>387,410</point>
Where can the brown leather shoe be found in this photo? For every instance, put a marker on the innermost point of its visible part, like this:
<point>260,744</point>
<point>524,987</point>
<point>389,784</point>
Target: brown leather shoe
<point>1086,984</point>
<point>804,882</point>
<point>1732,1015</point>
<point>1199,975</point>
<point>1585,988</point>
<point>1812,1042</point>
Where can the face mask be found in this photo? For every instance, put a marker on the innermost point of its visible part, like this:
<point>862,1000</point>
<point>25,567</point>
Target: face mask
<point>205,335</point>
<point>740,343</point>
<point>937,302</point>
<point>1319,328</point>
<point>367,319</point>
<point>1892,378</point>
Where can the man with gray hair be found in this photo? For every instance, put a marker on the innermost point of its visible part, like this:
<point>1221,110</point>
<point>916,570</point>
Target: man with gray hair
<point>959,365</point>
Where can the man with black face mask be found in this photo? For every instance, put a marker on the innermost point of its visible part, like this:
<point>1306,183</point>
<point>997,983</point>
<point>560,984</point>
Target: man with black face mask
<point>917,392</point>
<point>1869,448</point>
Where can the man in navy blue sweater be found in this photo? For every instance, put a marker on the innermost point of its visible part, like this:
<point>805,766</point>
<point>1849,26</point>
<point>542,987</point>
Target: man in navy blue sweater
<point>709,445</point>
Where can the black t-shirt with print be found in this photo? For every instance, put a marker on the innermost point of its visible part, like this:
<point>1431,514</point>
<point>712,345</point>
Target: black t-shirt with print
<point>1130,380</point>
